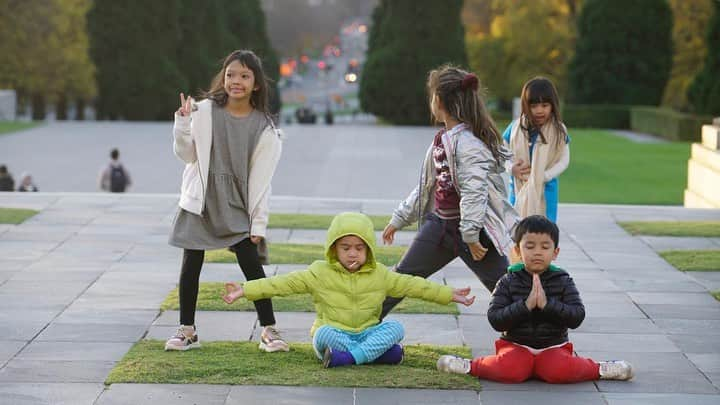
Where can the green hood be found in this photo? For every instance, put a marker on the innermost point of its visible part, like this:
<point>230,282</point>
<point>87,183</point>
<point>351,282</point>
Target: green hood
<point>521,266</point>
<point>351,223</point>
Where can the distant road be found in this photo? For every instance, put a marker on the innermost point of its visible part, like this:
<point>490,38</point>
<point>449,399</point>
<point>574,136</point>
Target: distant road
<point>343,161</point>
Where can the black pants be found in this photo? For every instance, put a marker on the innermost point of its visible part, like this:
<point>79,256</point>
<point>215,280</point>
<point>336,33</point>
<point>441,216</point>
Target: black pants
<point>247,258</point>
<point>436,244</point>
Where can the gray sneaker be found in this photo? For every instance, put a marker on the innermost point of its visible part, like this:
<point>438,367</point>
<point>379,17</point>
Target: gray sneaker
<point>271,341</point>
<point>453,364</point>
<point>616,370</point>
<point>184,339</point>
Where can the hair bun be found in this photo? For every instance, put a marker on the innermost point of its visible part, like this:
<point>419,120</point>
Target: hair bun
<point>470,81</point>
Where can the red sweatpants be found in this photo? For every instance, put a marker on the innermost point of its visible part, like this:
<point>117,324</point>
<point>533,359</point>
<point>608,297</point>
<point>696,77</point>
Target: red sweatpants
<point>514,364</point>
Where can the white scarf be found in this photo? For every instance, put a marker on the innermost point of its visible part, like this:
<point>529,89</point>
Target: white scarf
<point>530,194</point>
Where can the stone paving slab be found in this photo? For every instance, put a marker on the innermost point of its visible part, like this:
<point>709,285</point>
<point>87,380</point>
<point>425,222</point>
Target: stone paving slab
<point>623,342</point>
<point>371,396</point>
<point>56,371</point>
<point>271,395</point>
<point>74,351</point>
<point>540,397</point>
<point>659,399</point>
<point>709,279</point>
<point>660,243</point>
<point>61,332</point>
<point>166,394</point>
<point>49,393</point>
<point>697,343</point>
<point>708,363</point>
<point>8,349</point>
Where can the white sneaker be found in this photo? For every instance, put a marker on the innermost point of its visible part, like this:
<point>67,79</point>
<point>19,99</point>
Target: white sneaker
<point>271,341</point>
<point>453,364</point>
<point>184,339</point>
<point>616,370</point>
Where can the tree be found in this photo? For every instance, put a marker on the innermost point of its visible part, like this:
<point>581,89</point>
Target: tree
<point>510,42</point>
<point>623,53</point>
<point>246,23</point>
<point>43,54</point>
<point>76,68</point>
<point>407,39</point>
<point>690,25</point>
<point>704,93</point>
<point>134,46</point>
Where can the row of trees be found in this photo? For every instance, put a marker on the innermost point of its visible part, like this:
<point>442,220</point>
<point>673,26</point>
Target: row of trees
<point>132,57</point>
<point>640,52</point>
<point>596,51</point>
<point>407,39</point>
<point>146,53</point>
<point>43,53</point>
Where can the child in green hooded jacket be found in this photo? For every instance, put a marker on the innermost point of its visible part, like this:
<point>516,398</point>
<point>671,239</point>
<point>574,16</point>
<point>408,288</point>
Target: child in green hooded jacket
<point>348,289</point>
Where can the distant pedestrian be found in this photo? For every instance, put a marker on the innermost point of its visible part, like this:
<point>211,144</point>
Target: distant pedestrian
<point>539,142</point>
<point>114,177</point>
<point>26,183</point>
<point>7,183</point>
<point>230,148</point>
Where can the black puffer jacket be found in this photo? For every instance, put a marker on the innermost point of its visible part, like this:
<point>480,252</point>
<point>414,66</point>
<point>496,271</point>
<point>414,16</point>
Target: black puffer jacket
<point>538,328</point>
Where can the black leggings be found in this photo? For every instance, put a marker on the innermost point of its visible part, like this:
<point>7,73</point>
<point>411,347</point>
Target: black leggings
<point>247,258</point>
<point>436,244</point>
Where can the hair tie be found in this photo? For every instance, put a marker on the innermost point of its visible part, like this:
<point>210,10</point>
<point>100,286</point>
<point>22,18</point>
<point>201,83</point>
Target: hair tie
<point>470,81</point>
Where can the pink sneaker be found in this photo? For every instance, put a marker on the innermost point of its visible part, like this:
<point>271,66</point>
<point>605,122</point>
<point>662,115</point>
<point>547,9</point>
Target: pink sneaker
<point>184,339</point>
<point>271,341</point>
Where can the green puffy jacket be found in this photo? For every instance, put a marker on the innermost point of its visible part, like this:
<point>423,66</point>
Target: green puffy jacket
<point>345,300</point>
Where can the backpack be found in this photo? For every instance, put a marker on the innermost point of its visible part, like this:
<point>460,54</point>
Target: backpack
<point>118,180</point>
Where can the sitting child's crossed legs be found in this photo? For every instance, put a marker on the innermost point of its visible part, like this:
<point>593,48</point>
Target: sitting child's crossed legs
<point>514,363</point>
<point>364,346</point>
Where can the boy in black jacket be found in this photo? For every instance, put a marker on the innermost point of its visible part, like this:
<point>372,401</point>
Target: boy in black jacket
<point>533,305</point>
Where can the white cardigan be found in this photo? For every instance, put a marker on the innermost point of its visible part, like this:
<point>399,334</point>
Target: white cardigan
<point>192,142</point>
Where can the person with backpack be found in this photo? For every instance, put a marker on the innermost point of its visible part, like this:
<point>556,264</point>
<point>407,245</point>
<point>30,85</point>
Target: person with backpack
<point>114,178</point>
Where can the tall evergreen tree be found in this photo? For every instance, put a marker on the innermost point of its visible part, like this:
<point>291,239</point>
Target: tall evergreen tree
<point>134,46</point>
<point>408,38</point>
<point>704,93</point>
<point>623,53</point>
<point>246,23</point>
<point>206,40</point>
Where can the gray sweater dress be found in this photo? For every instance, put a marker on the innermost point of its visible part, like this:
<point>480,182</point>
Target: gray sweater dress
<point>225,220</point>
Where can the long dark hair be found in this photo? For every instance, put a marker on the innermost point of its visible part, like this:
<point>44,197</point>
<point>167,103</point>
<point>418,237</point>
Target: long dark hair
<point>541,90</point>
<point>258,98</point>
<point>460,94</point>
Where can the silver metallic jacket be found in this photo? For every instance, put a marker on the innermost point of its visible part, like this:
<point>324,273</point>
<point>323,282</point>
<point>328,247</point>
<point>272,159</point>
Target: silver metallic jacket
<point>477,178</point>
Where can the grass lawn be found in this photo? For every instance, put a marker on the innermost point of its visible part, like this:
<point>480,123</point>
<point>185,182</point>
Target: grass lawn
<point>673,228</point>
<point>209,300</point>
<point>693,260</point>
<point>242,363</point>
<point>312,221</point>
<point>15,215</point>
<point>607,169</point>
<point>7,127</point>
<point>289,253</point>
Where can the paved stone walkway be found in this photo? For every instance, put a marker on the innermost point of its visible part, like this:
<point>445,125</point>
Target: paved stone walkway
<point>82,281</point>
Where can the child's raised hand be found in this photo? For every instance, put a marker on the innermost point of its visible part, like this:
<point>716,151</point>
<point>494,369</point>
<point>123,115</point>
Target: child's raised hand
<point>232,292</point>
<point>185,105</point>
<point>460,295</point>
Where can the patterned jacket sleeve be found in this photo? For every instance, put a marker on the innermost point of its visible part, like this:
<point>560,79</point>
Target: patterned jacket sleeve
<point>473,163</point>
